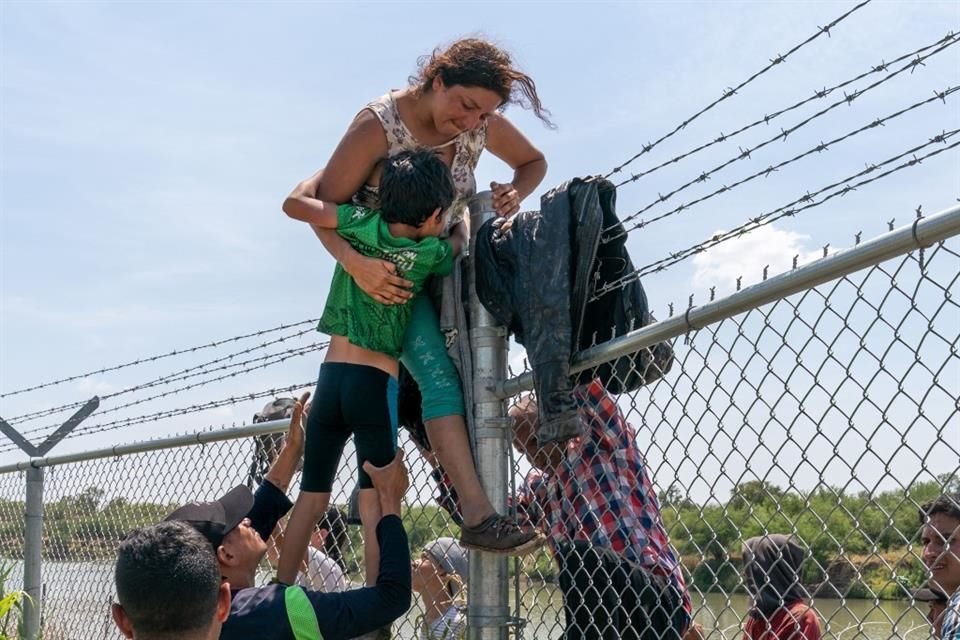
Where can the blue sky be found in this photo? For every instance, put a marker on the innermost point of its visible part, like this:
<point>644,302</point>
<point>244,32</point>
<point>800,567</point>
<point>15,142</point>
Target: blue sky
<point>145,149</point>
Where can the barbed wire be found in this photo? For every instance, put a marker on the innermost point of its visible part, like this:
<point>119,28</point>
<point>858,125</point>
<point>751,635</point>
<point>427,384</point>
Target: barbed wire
<point>203,368</point>
<point>767,118</point>
<point>820,148</point>
<point>731,91</point>
<point>161,415</point>
<point>175,352</point>
<point>276,359</point>
<point>789,209</point>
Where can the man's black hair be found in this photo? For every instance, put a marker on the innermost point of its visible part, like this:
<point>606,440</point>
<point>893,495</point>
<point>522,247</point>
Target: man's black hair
<point>946,504</point>
<point>413,185</point>
<point>168,580</point>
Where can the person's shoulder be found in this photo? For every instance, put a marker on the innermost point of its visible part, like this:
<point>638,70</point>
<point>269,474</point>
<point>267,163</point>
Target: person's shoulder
<point>256,600</point>
<point>368,122</point>
<point>256,612</point>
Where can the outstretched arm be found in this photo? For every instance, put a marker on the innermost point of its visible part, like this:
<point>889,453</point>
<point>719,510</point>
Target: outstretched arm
<point>283,468</point>
<point>302,204</point>
<point>528,163</point>
<point>359,611</point>
<point>362,146</point>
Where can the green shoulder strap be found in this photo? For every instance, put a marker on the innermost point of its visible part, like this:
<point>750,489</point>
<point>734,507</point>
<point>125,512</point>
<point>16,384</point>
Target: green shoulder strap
<point>300,613</point>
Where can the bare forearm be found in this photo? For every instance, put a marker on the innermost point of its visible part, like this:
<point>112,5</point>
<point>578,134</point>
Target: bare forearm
<point>389,505</point>
<point>336,246</point>
<point>283,468</point>
<point>527,177</point>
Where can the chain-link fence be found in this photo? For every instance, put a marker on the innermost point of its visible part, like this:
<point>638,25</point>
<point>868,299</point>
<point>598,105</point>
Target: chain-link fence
<point>90,505</point>
<point>829,415</point>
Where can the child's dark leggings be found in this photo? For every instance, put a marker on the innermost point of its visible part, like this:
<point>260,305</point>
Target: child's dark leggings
<point>349,399</point>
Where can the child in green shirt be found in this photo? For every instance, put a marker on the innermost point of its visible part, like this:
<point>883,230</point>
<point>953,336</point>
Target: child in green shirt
<point>357,385</point>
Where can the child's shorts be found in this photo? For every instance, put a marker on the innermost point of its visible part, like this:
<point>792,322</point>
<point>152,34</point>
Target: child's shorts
<point>349,399</point>
<point>425,357</point>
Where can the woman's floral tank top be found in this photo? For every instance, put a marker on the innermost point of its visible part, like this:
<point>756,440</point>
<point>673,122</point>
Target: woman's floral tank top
<point>469,146</point>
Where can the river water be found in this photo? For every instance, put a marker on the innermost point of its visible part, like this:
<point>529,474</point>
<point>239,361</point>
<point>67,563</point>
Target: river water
<point>78,596</point>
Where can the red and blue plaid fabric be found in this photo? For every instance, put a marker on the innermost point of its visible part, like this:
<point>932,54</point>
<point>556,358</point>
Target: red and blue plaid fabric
<point>601,492</point>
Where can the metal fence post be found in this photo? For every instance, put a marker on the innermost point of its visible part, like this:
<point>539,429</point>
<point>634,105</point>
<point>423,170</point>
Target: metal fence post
<point>32,548</point>
<point>489,608</point>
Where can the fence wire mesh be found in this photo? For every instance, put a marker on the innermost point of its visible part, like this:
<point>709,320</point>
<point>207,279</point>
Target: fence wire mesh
<point>89,506</point>
<point>829,415</point>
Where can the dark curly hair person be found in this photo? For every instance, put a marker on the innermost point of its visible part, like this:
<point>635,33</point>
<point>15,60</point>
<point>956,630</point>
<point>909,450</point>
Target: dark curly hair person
<point>454,106</point>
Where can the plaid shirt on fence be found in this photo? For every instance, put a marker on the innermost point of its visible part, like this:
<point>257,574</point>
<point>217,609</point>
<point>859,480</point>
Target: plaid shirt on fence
<point>601,492</point>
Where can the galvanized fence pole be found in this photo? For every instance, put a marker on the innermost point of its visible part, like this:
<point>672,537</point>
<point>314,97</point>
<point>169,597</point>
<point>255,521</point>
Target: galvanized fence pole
<point>488,611</point>
<point>32,548</point>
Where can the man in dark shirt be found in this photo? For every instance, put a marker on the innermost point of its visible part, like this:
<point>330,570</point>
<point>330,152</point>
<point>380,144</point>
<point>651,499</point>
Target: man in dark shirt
<point>238,525</point>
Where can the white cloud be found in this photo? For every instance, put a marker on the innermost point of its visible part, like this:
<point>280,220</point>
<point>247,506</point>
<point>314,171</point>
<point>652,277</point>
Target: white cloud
<point>96,387</point>
<point>764,248</point>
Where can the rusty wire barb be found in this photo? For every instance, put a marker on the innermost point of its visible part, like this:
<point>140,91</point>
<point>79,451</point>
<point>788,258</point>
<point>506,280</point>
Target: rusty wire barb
<point>253,364</point>
<point>803,203</point>
<point>191,372</point>
<point>817,95</point>
<point>732,91</point>
<point>817,149</point>
<point>175,352</point>
<point>203,406</point>
<point>744,154</point>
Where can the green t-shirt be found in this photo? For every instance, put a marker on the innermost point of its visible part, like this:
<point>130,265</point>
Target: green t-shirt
<point>352,313</point>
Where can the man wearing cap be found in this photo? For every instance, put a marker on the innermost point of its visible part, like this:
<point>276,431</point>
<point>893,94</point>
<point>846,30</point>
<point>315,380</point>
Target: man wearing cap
<point>237,526</point>
<point>439,578</point>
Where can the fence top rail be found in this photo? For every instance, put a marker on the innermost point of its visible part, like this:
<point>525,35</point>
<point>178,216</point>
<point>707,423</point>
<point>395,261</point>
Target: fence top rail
<point>185,440</point>
<point>922,232</point>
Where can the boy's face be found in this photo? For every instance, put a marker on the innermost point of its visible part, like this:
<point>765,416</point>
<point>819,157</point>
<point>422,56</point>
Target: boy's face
<point>941,551</point>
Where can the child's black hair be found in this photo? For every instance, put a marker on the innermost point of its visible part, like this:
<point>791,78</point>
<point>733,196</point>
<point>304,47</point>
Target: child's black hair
<point>413,185</point>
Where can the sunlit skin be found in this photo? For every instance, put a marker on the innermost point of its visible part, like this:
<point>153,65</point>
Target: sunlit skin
<point>449,111</point>
<point>941,551</point>
<point>430,582</point>
<point>240,554</point>
<point>935,616</point>
<point>546,458</point>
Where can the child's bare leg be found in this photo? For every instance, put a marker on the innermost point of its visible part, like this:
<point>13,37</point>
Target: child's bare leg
<point>370,517</point>
<point>310,506</point>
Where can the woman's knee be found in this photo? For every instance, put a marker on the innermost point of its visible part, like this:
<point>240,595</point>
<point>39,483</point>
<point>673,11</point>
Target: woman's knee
<point>425,357</point>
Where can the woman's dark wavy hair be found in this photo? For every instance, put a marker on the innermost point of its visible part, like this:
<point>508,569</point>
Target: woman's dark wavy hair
<point>475,62</point>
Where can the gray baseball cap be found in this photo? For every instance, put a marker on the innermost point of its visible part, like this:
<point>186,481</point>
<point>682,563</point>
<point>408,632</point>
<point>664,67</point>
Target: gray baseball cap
<point>451,557</point>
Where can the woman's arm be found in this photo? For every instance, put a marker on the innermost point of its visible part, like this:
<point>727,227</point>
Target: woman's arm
<point>302,205</point>
<point>352,162</point>
<point>528,163</point>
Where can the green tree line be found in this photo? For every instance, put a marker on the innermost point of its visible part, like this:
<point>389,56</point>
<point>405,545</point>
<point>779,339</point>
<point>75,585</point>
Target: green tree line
<point>861,544</point>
